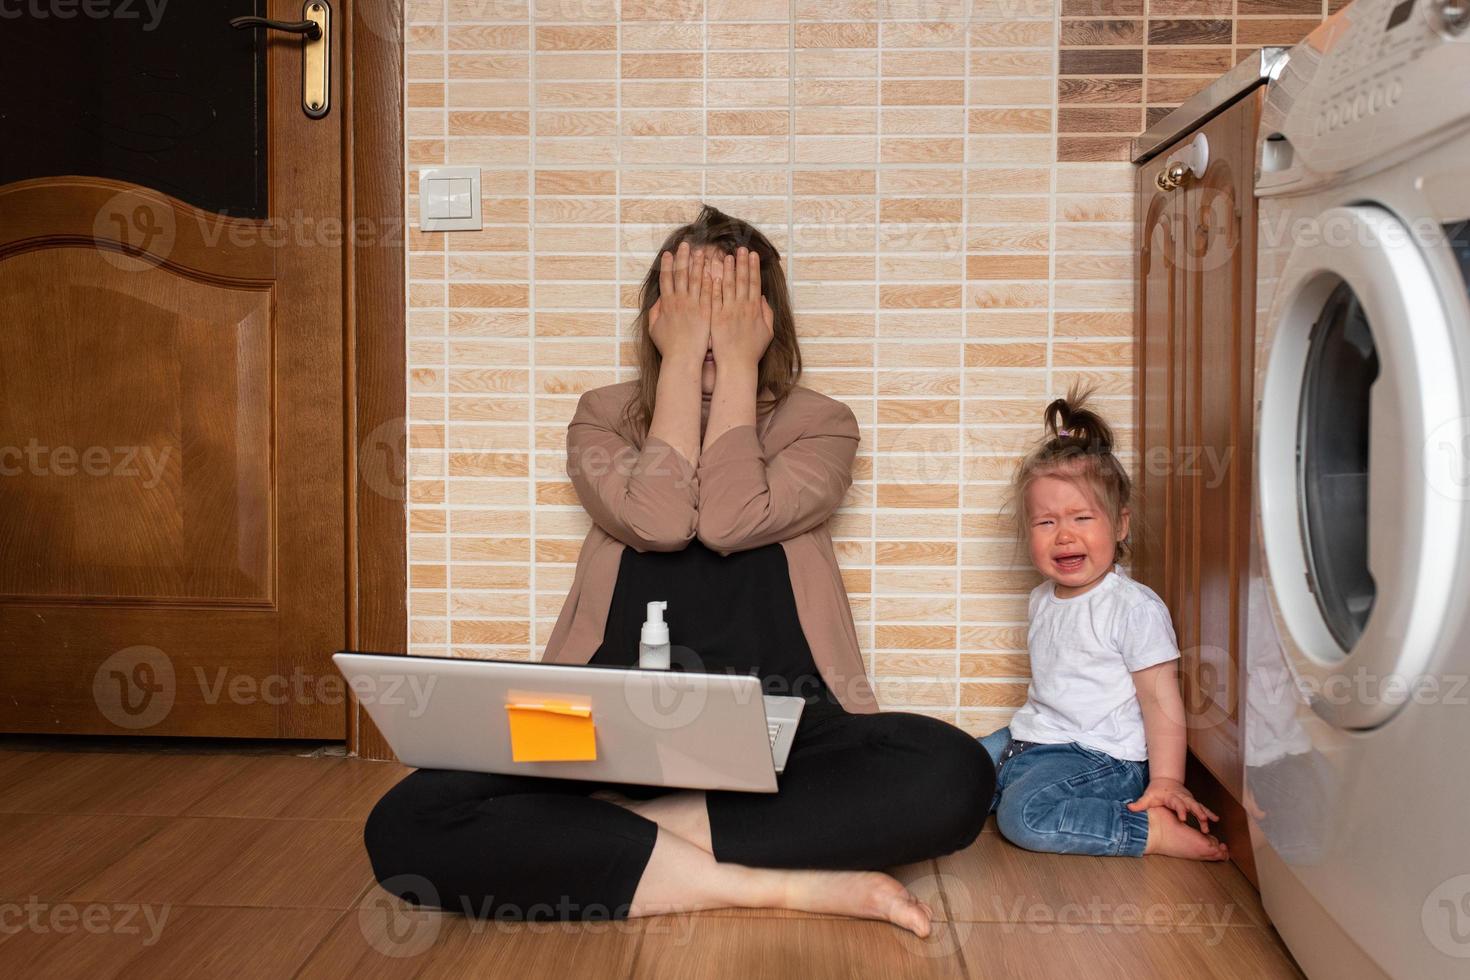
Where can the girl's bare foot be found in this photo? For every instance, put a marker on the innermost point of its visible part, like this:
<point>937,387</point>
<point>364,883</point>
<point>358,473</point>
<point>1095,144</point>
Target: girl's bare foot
<point>863,894</point>
<point>1167,834</point>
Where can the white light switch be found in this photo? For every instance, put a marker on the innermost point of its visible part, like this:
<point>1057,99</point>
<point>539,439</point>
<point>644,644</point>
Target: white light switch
<point>449,199</point>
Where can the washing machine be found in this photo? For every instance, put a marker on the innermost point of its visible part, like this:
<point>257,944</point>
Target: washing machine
<point>1357,706</point>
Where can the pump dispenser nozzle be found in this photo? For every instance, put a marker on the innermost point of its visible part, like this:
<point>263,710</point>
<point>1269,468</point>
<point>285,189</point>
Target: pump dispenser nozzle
<point>655,630</point>
<point>653,648</point>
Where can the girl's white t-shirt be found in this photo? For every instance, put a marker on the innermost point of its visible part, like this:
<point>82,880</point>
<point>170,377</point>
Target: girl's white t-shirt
<point>1083,652</point>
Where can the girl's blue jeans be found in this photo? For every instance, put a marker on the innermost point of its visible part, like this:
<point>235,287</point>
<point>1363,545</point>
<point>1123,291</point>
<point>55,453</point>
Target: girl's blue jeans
<point>1066,798</point>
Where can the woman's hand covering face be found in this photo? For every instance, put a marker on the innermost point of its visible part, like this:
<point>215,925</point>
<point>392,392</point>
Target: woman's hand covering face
<point>679,321</point>
<point>741,320</point>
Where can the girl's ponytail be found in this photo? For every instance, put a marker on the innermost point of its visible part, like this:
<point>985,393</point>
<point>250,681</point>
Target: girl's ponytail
<point>1071,426</point>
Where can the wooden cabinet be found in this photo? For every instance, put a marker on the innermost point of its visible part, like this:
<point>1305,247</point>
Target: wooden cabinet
<point>1192,507</point>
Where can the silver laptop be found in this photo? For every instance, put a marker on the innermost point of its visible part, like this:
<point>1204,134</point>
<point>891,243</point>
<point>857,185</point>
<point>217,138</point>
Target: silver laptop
<point>652,727</point>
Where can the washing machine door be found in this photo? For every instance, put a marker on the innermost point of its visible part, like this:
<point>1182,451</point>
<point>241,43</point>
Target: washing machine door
<point>1359,507</point>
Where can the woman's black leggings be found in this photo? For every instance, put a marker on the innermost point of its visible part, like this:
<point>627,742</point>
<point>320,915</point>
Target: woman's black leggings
<point>859,792</point>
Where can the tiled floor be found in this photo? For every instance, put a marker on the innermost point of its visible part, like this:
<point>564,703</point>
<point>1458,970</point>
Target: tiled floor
<point>169,864</point>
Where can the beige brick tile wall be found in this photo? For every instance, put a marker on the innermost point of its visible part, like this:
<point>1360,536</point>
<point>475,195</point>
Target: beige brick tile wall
<point>949,277</point>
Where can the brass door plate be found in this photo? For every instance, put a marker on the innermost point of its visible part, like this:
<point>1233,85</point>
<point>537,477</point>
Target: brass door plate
<point>316,61</point>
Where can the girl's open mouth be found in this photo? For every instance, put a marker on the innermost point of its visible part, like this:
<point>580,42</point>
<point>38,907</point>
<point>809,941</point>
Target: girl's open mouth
<point>1069,563</point>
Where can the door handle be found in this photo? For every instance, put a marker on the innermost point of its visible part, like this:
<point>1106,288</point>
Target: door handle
<point>310,28</point>
<point>316,51</point>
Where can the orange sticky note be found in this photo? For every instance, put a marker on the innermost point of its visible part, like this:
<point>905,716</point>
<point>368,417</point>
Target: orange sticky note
<point>551,731</point>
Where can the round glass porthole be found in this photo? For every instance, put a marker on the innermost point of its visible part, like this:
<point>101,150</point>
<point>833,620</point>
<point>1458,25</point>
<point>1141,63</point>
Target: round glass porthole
<point>1362,386</point>
<point>1332,463</point>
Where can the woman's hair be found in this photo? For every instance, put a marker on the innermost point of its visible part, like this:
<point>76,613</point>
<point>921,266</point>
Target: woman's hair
<point>780,366</point>
<point>1078,446</point>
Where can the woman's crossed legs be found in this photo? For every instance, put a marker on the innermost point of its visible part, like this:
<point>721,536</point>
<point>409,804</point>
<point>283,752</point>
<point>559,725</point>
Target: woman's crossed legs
<point>860,792</point>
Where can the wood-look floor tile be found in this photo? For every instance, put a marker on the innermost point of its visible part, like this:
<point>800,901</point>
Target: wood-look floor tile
<point>48,854</point>
<point>1240,890</point>
<point>251,897</point>
<point>234,861</point>
<point>815,949</point>
<point>113,782</point>
<point>262,787</point>
<point>293,864</point>
<point>175,942</point>
<point>482,948</point>
<point>11,758</point>
<point>174,863</point>
<point>993,951</point>
<point>346,791</point>
<point>383,939</point>
<point>996,881</point>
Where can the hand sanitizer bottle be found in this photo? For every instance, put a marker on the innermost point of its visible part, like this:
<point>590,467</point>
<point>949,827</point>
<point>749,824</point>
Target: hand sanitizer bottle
<point>653,648</point>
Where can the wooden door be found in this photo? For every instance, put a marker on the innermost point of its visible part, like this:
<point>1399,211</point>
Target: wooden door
<point>172,501</point>
<point>1195,362</point>
<point>1219,270</point>
<point>1159,309</point>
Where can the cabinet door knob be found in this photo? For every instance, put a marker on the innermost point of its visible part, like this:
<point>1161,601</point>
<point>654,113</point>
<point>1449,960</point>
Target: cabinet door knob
<point>1171,176</point>
<point>1192,158</point>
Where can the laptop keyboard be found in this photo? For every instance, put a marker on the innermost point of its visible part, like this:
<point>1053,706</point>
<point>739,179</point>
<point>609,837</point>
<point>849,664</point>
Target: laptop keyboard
<point>774,729</point>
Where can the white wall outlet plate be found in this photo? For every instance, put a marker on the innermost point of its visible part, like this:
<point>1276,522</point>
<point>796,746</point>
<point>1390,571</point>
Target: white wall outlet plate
<point>449,199</point>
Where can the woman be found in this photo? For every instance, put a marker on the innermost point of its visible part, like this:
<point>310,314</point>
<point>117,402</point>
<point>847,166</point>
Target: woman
<point>710,480</point>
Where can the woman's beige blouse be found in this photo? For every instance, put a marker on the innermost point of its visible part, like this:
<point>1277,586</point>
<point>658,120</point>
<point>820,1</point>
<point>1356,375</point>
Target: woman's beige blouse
<point>776,481</point>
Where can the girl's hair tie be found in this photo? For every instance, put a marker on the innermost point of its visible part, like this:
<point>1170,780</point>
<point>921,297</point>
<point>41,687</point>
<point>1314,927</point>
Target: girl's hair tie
<point>1064,432</point>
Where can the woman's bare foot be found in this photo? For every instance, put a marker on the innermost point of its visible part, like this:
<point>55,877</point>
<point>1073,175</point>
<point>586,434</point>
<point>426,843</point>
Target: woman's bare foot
<point>681,877</point>
<point>862,894</point>
<point>1167,834</point>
